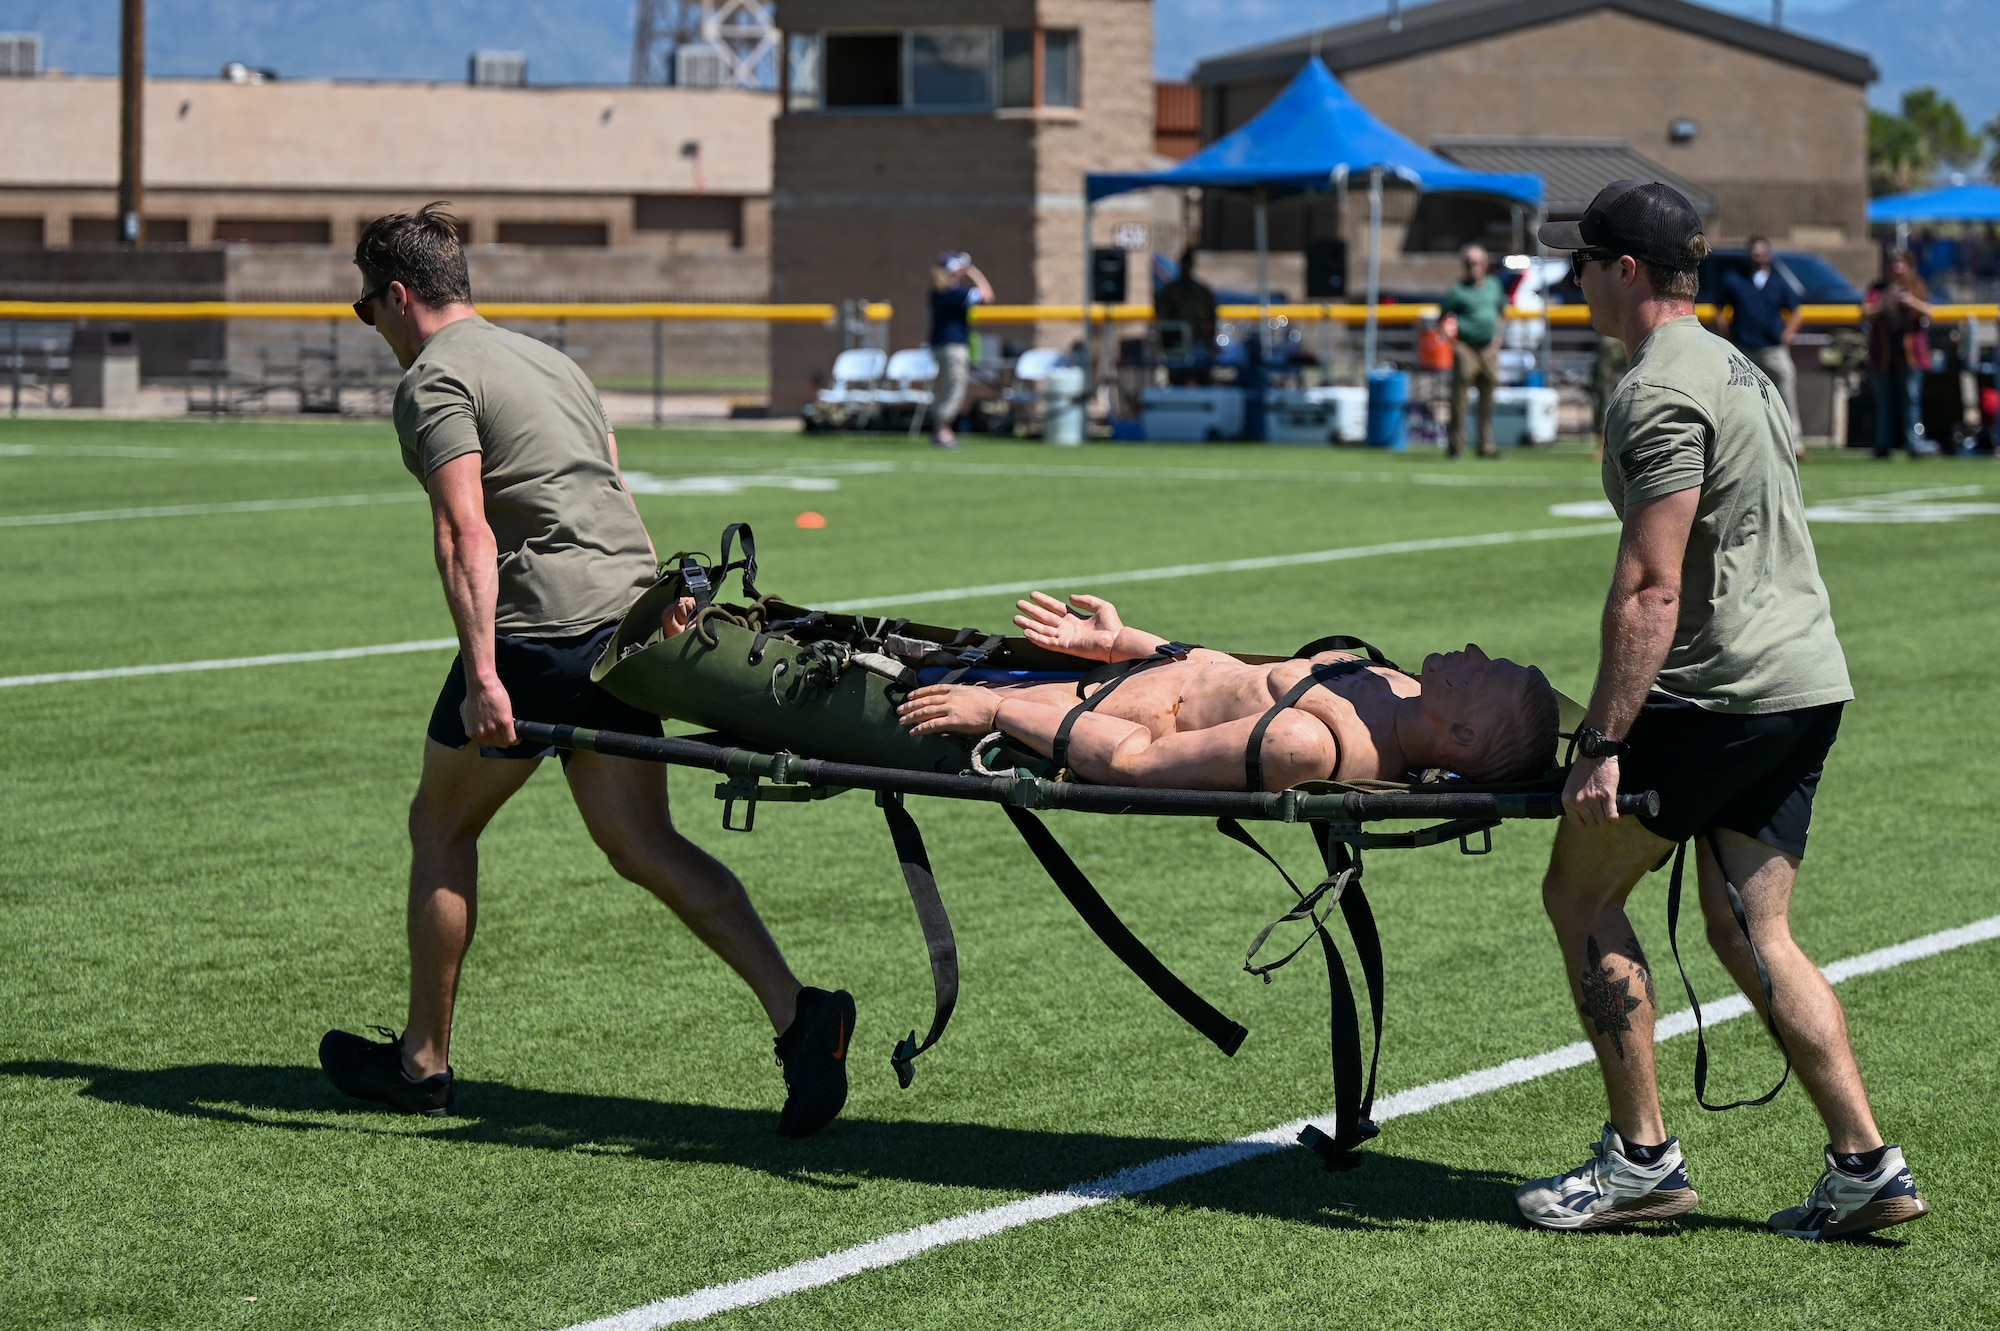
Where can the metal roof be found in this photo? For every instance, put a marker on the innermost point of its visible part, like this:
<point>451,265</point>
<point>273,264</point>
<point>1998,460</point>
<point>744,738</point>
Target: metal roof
<point>1572,170</point>
<point>1431,27</point>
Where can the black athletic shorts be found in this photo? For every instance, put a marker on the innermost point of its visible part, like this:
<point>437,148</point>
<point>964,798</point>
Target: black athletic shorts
<point>547,680</point>
<point>1751,774</point>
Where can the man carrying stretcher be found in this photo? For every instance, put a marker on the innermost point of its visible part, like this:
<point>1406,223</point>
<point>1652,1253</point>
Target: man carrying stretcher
<point>1188,722</point>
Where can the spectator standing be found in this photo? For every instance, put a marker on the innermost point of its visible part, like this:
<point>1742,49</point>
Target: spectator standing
<point>956,286</point>
<point>1898,312</point>
<point>1186,300</point>
<point>1472,310</point>
<point>1758,311</point>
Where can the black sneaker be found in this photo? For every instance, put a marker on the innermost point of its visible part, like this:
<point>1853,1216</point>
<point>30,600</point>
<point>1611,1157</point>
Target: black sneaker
<point>371,1070</point>
<point>813,1053</point>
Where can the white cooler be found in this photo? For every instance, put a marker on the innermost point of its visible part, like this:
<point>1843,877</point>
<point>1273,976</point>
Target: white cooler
<point>1191,413</point>
<point>1520,416</point>
<point>1316,415</point>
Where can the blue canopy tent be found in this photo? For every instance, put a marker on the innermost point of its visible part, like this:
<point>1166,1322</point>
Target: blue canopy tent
<point>1973,202</point>
<point>1312,136</point>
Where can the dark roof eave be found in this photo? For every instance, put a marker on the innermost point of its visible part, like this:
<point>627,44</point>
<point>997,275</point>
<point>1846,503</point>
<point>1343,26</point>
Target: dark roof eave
<point>1368,42</point>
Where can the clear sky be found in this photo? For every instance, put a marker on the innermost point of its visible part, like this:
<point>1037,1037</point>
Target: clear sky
<point>1952,44</point>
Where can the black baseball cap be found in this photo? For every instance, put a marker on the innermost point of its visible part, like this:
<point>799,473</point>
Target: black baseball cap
<point>1646,219</point>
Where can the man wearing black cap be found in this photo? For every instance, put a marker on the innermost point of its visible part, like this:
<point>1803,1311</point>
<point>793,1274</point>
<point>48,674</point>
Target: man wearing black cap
<point>1720,686</point>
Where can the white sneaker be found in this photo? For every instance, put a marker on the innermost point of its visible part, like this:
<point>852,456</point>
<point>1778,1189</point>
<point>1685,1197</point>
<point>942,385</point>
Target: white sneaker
<point>1609,1189</point>
<point>1842,1204</point>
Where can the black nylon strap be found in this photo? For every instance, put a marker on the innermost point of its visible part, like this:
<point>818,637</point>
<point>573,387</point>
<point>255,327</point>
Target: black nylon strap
<point>936,924</point>
<point>748,564</point>
<point>1112,676</point>
<point>1196,1011</point>
<point>970,658</point>
<point>1253,752</point>
<point>781,629</point>
<point>1341,642</point>
<point>694,580</point>
<point>1304,910</point>
<point>1354,1099</point>
<point>1763,980</point>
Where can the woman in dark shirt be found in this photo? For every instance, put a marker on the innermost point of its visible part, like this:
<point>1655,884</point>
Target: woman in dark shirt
<point>1898,312</point>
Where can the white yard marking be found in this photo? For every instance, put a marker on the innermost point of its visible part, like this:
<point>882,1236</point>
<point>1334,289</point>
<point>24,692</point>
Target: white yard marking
<point>166,453</point>
<point>878,602</point>
<point>897,1248</point>
<point>1906,506</point>
<point>205,510</point>
<point>1092,581</point>
<point>229,663</point>
<point>646,483</point>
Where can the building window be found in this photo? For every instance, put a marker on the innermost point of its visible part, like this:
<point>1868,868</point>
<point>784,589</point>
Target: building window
<point>864,69</point>
<point>273,231</point>
<point>951,68</point>
<point>802,65</point>
<point>717,217</point>
<point>20,233</point>
<point>933,69</point>
<point>104,231</point>
<point>1062,68</point>
<point>1017,67</point>
<point>554,233</point>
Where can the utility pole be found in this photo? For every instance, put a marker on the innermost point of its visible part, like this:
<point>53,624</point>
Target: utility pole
<point>1777,13</point>
<point>132,123</point>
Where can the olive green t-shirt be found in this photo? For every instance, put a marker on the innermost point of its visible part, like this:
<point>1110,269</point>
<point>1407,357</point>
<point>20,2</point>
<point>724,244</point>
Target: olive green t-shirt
<point>1477,307</point>
<point>573,553</point>
<point>1755,632</point>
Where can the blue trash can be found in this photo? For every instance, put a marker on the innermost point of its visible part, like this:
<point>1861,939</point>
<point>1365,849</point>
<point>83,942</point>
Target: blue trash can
<point>1388,409</point>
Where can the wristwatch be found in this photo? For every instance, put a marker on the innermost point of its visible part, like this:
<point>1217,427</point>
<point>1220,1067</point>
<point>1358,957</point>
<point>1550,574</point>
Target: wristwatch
<point>1594,743</point>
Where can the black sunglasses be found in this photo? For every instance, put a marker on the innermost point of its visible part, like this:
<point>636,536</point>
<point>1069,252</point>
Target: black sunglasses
<point>1579,258</point>
<point>364,309</point>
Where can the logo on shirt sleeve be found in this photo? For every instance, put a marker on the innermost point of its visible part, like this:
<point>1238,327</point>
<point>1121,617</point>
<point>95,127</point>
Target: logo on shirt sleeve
<point>1742,374</point>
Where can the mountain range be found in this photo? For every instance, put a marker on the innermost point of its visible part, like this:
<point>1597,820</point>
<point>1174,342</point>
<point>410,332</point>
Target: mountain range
<point>1953,45</point>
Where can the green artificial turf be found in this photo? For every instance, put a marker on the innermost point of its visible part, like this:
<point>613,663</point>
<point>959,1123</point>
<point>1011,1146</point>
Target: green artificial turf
<point>200,873</point>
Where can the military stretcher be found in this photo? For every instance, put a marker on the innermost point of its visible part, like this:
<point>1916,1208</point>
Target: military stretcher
<point>801,705</point>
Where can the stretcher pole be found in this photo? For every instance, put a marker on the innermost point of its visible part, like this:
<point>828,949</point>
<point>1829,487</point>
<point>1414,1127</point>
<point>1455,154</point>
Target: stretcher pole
<point>1028,792</point>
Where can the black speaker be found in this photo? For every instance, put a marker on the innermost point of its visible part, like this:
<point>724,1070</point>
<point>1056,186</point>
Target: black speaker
<point>1326,269</point>
<point>1107,276</point>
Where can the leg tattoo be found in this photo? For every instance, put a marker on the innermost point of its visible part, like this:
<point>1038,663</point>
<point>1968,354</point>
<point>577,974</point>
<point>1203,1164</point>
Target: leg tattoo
<point>1638,955</point>
<point>1606,1002</point>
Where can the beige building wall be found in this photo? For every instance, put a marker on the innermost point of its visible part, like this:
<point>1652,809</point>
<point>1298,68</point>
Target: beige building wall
<point>862,202</point>
<point>338,154</point>
<point>1783,148</point>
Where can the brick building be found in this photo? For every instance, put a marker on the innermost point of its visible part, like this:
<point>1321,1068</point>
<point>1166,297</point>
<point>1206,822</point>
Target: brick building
<point>914,126</point>
<point>1767,129</point>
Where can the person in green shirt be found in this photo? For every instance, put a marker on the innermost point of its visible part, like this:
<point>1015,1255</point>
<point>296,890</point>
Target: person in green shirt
<point>1471,313</point>
<point>1720,687</point>
<point>540,550</point>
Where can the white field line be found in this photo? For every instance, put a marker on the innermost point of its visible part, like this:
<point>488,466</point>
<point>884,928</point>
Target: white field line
<point>204,510</point>
<point>229,663</point>
<point>871,603</point>
<point>170,454</point>
<point>1091,581</point>
<point>896,1248</point>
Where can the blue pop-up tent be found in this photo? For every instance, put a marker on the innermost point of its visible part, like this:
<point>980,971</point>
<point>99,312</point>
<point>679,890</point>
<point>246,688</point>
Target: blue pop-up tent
<point>1313,136</point>
<point>1973,202</point>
